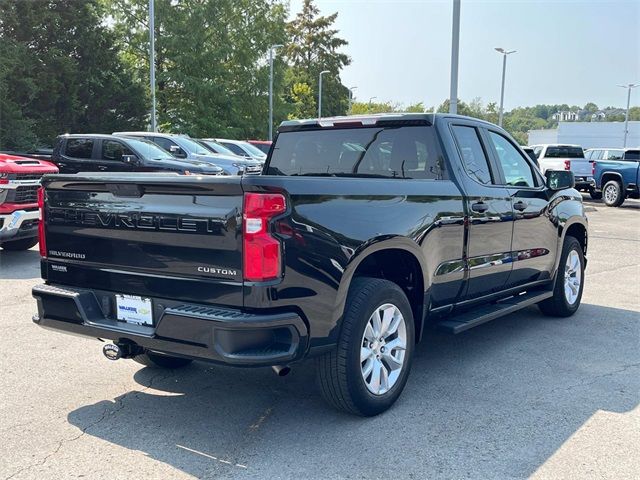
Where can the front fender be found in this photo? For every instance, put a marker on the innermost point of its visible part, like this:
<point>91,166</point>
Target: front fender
<point>565,211</point>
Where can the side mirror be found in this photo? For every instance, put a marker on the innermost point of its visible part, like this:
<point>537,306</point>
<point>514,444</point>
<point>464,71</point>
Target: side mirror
<point>130,160</point>
<point>560,179</point>
<point>176,151</point>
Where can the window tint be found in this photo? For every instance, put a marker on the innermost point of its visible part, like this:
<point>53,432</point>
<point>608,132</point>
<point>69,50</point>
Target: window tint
<point>235,149</point>
<point>516,169</point>
<point>473,156</point>
<point>614,154</point>
<point>164,142</point>
<point>404,152</point>
<point>537,151</point>
<point>112,150</point>
<point>79,147</point>
<point>632,155</point>
<point>564,152</point>
<point>596,155</point>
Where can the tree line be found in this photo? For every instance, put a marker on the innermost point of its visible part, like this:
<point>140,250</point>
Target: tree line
<point>83,66</point>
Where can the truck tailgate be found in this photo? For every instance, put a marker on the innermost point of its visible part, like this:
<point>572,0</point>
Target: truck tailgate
<point>151,235</point>
<point>581,167</point>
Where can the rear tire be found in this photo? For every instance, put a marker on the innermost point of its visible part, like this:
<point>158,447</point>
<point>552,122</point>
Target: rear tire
<point>566,294</point>
<point>612,194</point>
<point>22,244</point>
<point>156,360</point>
<point>370,386</point>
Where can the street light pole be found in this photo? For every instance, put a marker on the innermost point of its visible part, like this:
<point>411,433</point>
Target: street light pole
<point>271,50</point>
<point>455,48</point>
<point>626,115</point>
<point>350,99</point>
<point>504,69</point>
<point>320,93</point>
<point>152,64</point>
<point>369,108</point>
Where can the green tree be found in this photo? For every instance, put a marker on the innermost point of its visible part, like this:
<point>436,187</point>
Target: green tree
<point>211,62</point>
<point>61,73</point>
<point>303,102</point>
<point>313,46</point>
<point>634,113</point>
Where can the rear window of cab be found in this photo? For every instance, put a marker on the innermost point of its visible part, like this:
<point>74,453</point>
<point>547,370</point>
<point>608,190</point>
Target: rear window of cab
<point>386,152</point>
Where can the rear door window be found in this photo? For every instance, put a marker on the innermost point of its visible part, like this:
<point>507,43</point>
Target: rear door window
<point>632,155</point>
<point>79,147</point>
<point>390,152</point>
<point>473,156</point>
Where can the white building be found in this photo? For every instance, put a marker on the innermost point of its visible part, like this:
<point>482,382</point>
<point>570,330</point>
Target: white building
<point>588,134</point>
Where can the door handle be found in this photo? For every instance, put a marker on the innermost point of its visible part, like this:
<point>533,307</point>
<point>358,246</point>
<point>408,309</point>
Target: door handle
<point>479,207</point>
<point>520,206</point>
<point>102,168</point>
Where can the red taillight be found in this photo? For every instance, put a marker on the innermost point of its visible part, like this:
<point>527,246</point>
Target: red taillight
<point>262,257</point>
<point>567,164</point>
<point>593,169</point>
<point>41,239</point>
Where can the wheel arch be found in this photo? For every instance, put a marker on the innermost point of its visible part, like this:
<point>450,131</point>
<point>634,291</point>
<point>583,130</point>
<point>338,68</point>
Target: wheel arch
<point>608,176</point>
<point>576,227</point>
<point>381,259</point>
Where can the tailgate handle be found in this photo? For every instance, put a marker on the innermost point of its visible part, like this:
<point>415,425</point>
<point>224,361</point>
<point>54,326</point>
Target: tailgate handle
<point>125,190</point>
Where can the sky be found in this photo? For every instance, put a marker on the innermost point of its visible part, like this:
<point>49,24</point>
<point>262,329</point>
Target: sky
<point>568,51</point>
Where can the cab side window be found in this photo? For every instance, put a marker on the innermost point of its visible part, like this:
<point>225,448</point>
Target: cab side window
<point>516,169</point>
<point>473,157</point>
<point>79,148</point>
<point>164,143</point>
<point>112,150</point>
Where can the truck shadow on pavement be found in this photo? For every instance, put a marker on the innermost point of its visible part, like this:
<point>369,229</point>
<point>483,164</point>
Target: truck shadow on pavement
<point>495,402</point>
<point>19,265</point>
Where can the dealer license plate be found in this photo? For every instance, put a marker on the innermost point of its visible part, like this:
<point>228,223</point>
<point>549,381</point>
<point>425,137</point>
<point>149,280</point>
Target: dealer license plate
<point>132,309</point>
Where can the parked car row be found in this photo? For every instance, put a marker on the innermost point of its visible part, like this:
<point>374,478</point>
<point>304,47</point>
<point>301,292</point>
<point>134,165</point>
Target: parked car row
<point>119,152</point>
<point>611,174</point>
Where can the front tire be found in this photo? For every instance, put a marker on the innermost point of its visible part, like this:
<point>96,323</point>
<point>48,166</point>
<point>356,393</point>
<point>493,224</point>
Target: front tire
<point>612,194</point>
<point>368,370</point>
<point>156,360</point>
<point>18,245</point>
<point>569,283</point>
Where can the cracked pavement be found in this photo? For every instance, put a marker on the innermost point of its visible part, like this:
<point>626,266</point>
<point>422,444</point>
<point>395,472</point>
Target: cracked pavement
<point>523,396</point>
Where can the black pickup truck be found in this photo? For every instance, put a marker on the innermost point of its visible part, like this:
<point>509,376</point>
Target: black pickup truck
<point>361,233</point>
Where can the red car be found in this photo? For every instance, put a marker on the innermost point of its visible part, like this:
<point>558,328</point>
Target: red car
<point>19,215</point>
<point>263,145</point>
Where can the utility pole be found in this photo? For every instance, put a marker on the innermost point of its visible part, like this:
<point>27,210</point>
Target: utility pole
<point>455,47</point>
<point>152,64</point>
<point>350,99</point>
<point>271,51</point>
<point>626,115</point>
<point>504,69</point>
<point>320,92</point>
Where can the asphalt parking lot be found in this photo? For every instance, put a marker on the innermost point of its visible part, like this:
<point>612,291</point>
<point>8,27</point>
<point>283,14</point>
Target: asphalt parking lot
<point>523,396</point>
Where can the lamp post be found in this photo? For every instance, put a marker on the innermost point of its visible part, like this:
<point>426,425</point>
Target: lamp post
<point>351,99</point>
<point>504,69</point>
<point>369,107</point>
<point>320,92</point>
<point>455,48</point>
<point>626,115</point>
<point>152,64</point>
<point>271,51</point>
